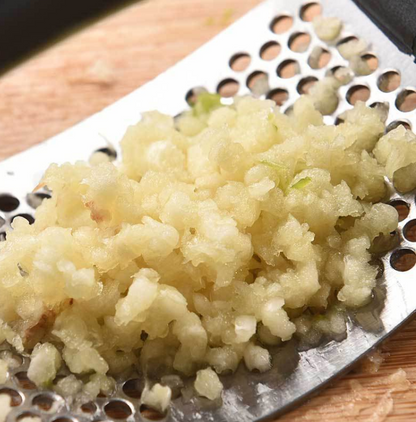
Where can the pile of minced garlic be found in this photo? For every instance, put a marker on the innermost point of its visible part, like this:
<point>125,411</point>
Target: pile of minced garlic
<point>230,230</point>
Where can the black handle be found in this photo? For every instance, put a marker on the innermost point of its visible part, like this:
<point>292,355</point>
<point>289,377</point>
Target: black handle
<point>28,24</point>
<point>397,19</point>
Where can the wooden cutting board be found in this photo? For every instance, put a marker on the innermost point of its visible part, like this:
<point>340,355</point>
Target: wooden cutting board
<point>103,62</point>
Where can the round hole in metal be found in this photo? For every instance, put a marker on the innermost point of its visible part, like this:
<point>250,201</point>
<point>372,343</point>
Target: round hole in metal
<point>409,231</point>
<point>385,242</point>
<point>64,419</point>
<point>281,24</point>
<point>403,260</point>
<point>111,152</point>
<point>319,58</point>
<point>133,388</point>
<point>382,108</point>
<point>288,69</point>
<point>270,50</point>
<point>240,62</point>
<point>192,95</point>
<point>376,104</point>
<point>358,93</point>
<point>371,60</point>
<point>406,100</point>
<point>351,39</point>
<point>44,401</point>
<point>396,124</point>
<point>310,11</point>
<point>8,202</point>
<point>299,42</point>
<point>228,88</point>
<point>289,110</point>
<point>402,208</point>
<point>27,217</point>
<point>278,95</point>
<point>347,39</point>
<point>389,81</point>
<point>334,70</point>
<point>117,409</point>
<point>27,415</point>
<point>15,397</point>
<point>258,82</point>
<point>151,414</point>
<point>36,198</point>
<point>89,407</point>
<point>24,381</point>
<point>305,84</point>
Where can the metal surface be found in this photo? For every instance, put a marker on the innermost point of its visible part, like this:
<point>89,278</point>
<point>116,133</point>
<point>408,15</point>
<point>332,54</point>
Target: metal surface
<point>247,397</point>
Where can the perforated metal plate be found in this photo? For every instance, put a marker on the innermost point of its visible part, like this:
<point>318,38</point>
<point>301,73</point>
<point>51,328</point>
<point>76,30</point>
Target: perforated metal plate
<point>247,396</point>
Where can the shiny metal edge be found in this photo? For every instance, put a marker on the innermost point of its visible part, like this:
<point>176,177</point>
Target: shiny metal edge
<point>248,397</point>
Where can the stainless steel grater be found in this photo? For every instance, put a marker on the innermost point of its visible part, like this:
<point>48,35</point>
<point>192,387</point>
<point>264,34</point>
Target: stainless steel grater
<point>295,375</point>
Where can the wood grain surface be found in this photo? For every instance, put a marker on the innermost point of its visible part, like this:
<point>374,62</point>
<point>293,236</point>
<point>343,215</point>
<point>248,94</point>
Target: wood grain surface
<point>99,64</point>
